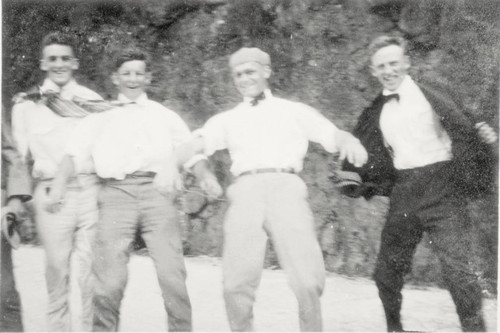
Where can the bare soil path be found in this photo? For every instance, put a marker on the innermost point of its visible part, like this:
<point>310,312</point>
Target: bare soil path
<point>349,305</point>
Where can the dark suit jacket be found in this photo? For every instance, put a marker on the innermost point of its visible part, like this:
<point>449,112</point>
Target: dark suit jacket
<point>473,160</point>
<point>15,175</point>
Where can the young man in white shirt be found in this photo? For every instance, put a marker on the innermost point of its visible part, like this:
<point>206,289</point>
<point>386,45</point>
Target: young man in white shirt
<point>41,133</point>
<point>267,138</point>
<point>427,156</point>
<point>132,148</point>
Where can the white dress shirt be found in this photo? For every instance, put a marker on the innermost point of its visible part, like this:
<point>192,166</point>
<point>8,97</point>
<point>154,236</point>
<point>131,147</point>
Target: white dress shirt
<point>412,129</point>
<point>138,136</point>
<point>272,134</point>
<point>39,131</point>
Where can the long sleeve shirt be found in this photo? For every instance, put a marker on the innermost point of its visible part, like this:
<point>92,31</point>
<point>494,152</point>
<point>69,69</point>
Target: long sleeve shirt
<point>141,135</point>
<point>15,176</point>
<point>43,135</point>
<point>273,134</point>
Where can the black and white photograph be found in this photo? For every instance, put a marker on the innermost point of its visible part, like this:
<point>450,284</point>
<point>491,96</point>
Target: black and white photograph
<point>250,165</point>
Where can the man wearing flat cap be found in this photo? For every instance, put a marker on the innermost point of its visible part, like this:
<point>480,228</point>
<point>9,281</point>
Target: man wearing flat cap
<point>267,138</point>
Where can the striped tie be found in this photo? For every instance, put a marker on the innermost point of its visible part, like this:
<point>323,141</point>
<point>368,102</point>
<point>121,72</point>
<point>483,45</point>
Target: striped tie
<point>77,107</point>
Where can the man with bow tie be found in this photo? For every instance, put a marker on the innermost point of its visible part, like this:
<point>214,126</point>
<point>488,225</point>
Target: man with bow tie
<point>267,138</point>
<point>427,156</point>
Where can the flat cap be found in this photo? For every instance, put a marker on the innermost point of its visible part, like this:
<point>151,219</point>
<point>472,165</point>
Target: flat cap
<point>248,54</point>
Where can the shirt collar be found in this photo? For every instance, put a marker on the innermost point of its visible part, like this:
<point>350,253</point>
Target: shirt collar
<point>49,85</point>
<point>267,93</point>
<point>141,100</point>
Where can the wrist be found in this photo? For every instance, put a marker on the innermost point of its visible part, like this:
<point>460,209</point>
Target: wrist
<point>343,138</point>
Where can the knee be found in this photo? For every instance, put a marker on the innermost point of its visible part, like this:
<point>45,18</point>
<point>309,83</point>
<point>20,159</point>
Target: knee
<point>58,265</point>
<point>308,287</point>
<point>109,288</point>
<point>108,283</point>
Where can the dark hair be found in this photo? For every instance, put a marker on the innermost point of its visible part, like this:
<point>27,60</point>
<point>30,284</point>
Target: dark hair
<point>130,54</point>
<point>60,38</point>
<point>383,41</point>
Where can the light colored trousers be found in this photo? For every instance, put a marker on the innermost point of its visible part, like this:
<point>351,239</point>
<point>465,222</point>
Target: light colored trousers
<point>70,231</point>
<point>126,207</point>
<point>271,205</point>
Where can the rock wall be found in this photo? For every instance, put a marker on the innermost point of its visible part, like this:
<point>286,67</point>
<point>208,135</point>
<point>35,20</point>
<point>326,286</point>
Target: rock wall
<point>318,50</point>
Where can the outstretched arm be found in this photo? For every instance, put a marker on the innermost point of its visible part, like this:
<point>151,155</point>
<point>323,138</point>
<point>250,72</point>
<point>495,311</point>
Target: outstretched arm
<point>201,169</point>
<point>350,148</point>
<point>206,179</point>
<point>185,151</point>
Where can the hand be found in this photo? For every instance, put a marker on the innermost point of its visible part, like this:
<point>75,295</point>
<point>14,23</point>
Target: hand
<point>54,199</point>
<point>486,133</point>
<point>211,187</point>
<point>18,207</point>
<point>168,181</point>
<point>352,149</point>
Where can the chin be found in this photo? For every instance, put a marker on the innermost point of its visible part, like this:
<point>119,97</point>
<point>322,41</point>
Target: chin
<point>253,94</point>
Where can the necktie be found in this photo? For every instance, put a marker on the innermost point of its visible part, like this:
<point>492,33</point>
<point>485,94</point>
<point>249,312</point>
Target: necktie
<point>387,98</point>
<point>77,107</point>
<point>256,99</point>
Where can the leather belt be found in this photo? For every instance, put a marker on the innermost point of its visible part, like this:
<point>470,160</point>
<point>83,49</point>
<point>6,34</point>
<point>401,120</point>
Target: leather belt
<point>141,174</point>
<point>267,170</point>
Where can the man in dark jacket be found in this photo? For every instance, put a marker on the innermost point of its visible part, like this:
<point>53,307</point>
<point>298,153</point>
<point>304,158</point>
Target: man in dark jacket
<point>16,188</point>
<point>427,156</point>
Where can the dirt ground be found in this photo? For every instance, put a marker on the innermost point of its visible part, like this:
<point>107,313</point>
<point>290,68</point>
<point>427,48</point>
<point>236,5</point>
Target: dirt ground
<point>349,305</point>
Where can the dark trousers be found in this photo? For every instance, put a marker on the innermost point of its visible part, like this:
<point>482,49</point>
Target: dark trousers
<point>425,200</point>
<point>10,304</point>
<point>125,207</point>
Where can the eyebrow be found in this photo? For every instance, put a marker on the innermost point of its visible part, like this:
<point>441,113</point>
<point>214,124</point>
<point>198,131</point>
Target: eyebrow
<point>64,57</point>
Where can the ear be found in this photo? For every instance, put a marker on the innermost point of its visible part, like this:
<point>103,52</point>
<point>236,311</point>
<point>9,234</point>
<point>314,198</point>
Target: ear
<point>406,62</point>
<point>43,65</point>
<point>75,64</point>
<point>148,77</point>
<point>267,72</point>
<point>115,78</point>
<point>372,71</point>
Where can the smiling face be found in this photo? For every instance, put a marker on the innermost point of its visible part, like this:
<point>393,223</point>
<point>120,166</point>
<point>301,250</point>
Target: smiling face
<point>132,78</point>
<point>59,62</point>
<point>251,78</point>
<point>390,65</point>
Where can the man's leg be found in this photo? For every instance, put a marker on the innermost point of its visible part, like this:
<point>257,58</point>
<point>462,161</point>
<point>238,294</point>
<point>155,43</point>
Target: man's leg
<point>400,237</point>
<point>450,233</point>
<point>10,303</point>
<point>445,218</point>
<point>84,243</point>
<point>162,234</point>
<point>291,227</point>
<point>56,235</point>
<point>118,214</point>
<point>244,250</point>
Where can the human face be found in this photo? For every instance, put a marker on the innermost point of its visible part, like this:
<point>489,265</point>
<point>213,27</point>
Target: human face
<point>132,78</point>
<point>59,62</point>
<point>390,65</point>
<point>251,78</point>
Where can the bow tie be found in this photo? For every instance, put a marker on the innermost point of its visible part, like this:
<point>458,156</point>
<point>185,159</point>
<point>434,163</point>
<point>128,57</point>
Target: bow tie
<point>256,99</point>
<point>387,98</point>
